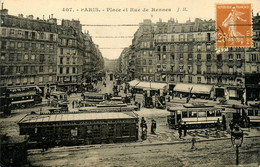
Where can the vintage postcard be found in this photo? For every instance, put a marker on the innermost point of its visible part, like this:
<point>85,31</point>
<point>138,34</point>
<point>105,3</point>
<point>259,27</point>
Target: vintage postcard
<point>115,83</point>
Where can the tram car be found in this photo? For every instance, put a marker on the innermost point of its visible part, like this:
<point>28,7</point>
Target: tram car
<point>79,128</point>
<point>92,99</point>
<point>244,115</point>
<point>22,97</point>
<point>195,116</point>
<point>109,107</point>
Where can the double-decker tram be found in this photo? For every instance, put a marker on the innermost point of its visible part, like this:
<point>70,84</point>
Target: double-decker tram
<point>195,116</point>
<point>21,97</point>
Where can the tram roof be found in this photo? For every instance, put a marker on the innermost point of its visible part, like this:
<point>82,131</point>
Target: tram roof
<point>36,118</point>
<point>171,109</point>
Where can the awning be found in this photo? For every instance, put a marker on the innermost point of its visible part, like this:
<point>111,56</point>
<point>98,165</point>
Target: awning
<point>183,88</point>
<point>193,88</point>
<point>201,89</point>
<point>151,85</point>
<point>133,83</point>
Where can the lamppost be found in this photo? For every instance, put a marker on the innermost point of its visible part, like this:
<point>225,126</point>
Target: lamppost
<point>237,139</point>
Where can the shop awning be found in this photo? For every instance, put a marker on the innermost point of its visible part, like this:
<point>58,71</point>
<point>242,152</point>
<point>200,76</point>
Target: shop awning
<point>183,87</point>
<point>151,85</point>
<point>201,89</point>
<point>195,88</point>
<point>133,83</point>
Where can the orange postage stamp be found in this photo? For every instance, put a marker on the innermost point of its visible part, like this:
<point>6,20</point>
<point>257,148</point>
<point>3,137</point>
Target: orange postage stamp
<point>234,25</point>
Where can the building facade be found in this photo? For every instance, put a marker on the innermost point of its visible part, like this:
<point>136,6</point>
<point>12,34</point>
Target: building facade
<point>42,53</point>
<point>186,53</point>
<point>28,51</point>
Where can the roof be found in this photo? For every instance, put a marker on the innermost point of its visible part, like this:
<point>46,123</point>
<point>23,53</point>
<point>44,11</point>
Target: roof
<point>58,93</point>
<point>133,82</point>
<point>151,85</point>
<point>36,118</point>
<point>193,88</point>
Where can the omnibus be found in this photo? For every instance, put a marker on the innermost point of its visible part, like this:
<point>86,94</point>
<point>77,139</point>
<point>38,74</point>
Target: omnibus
<point>195,117</point>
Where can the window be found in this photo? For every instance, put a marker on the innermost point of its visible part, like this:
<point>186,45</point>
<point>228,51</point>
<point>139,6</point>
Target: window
<point>3,45</point>
<point>198,56</point>
<point>67,70</point>
<point>144,62</point>
<point>181,78</point>
<point>190,56</point>
<point>51,47</point>
<point>33,35</point>
<point>3,56</point>
<point>61,50</point>
<point>159,57</point>
<point>74,70</point>
<point>42,46</point>
<point>26,57</point>
<point>50,69</point>
<point>25,80</point>
<point>19,45</point>
<point>11,57</point>
<point>181,56</point>
<point>74,60</point>
<point>253,57</point>
<point>202,114</point>
<point>40,79</point>
<point>150,62</point>
<point>158,48</point>
<point>51,37</point>
<point>208,69</point>
<point>19,57</point>
<point>12,44</point>
<point>208,36</point>
<point>50,78</point>
<point>18,69</point>
<point>26,34</point>
<point>68,60</point>
<point>208,56</point>
<point>172,68</point>
<point>42,35</point>
<point>164,67</point>
<point>238,56</point>
<point>33,69</point>
<point>198,69</point>
<point>32,57</point>
<point>41,69</point>
<point>230,56</point>
<point>164,56</point>
<point>164,48</point>
<point>219,57</point>
<point>61,70</point>
<point>198,79</point>
<point>193,114</point>
<point>25,69</point>
<point>42,58</point>
<point>199,48</point>
<point>172,56</point>
<point>208,80</point>
<point>190,79</point>
<point>181,68</point>
<point>172,78</point>
<point>4,32</point>
<point>210,114</point>
<point>34,45</point>
<point>26,45</point>
<point>61,60</point>
<point>12,31</point>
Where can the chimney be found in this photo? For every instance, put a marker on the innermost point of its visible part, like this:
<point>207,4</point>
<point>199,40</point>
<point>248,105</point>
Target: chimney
<point>30,17</point>
<point>2,5</point>
<point>52,16</point>
<point>43,17</point>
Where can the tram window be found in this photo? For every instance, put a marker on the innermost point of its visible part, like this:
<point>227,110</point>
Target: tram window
<point>256,112</point>
<point>189,112</point>
<point>218,113</point>
<point>210,113</point>
<point>201,114</point>
<point>184,114</point>
<point>193,114</point>
<point>250,113</point>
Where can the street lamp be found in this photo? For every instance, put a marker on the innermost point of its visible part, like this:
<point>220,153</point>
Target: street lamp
<point>237,139</point>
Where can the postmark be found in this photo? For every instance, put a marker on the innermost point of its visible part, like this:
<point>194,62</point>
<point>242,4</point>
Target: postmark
<point>234,25</point>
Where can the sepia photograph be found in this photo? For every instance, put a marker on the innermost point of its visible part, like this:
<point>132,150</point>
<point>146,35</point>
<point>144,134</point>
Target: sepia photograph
<point>129,83</point>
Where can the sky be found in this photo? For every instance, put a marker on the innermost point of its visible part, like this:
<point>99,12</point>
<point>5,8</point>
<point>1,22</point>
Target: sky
<point>120,14</point>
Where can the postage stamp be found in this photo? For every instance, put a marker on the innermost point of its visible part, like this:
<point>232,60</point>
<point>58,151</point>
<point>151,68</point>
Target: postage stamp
<point>234,25</point>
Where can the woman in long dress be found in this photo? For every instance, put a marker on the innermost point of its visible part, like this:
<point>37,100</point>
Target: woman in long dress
<point>230,21</point>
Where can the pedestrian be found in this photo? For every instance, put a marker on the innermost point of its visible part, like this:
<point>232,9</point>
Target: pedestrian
<point>218,124</point>
<point>73,104</point>
<point>224,122</point>
<point>153,126</point>
<point>180,131</point>
<point>231,125</point>
<point>184,127</point>
<point>242,100</point>
<point>193,141</point>
<point>169,98</point>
